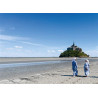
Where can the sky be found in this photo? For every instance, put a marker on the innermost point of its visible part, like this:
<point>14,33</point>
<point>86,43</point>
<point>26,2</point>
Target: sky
<point>47,34</point>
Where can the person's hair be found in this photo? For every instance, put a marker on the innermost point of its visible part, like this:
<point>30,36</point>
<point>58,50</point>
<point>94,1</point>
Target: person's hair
<point>87,60</point>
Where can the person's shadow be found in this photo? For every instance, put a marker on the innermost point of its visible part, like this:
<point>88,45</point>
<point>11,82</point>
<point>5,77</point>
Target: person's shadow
<point>72,76</point>
<point>67,75</point>
<point>81,76</point>
<point>93,76</point>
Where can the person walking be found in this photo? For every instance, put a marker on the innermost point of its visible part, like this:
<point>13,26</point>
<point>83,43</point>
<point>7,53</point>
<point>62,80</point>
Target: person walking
<point>86,68</point>
<point>74,67</point>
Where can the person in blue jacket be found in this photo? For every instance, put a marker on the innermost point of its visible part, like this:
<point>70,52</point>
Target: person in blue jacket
<point>86,68</point>
<point>74,67</point>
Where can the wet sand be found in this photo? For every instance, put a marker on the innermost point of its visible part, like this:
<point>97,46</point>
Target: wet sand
<point>60,73</point>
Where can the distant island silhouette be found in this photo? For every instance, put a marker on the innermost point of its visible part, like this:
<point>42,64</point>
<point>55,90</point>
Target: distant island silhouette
<point>73,51</point>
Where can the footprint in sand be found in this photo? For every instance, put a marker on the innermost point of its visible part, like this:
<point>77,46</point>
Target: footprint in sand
<point>27,79</point>
<point>54,74</point>
<point>68,79</point>
<point>12,81</point>
<point>35,77</point>
<point>46,74</point>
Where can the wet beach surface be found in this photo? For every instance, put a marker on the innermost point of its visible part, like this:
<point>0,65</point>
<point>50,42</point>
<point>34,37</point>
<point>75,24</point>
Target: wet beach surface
<point>53,72</point>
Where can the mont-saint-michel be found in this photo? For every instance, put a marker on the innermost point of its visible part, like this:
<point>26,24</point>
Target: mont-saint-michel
<point>73,51</point>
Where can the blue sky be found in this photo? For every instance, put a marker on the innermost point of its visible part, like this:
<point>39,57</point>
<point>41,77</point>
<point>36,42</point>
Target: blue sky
<point>47,34</point>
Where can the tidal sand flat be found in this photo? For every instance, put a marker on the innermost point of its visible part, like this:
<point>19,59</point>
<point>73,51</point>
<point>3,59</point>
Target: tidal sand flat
<point>48,72</point>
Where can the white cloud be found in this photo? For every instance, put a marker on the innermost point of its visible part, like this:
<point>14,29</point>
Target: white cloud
<point>34,44</point>
<point>60,50</point>
<point>54,51</point>
<point>11,38</point>
<point>51,51</point>
<point>18,39</point>
<point>14,49</point>
<point>92,53</point>
<point>18,47</point>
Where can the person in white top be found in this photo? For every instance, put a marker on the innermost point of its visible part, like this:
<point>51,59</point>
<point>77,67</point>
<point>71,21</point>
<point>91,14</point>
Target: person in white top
<point>86,68</point>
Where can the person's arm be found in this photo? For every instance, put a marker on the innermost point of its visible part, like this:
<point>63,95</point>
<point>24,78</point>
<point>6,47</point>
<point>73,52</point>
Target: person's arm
<point>76,64</point>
